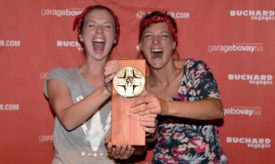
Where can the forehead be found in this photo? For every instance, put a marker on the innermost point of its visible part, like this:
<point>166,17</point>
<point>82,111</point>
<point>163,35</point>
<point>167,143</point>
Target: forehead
<point>157,27</point>
<point>99,15</point>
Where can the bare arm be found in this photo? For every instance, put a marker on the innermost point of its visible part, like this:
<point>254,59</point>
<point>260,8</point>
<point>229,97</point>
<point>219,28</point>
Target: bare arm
<point>208,109</point>
<point>73,115</point>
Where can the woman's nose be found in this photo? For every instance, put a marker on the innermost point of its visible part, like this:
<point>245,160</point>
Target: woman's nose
<point>99,29</point>
<point>156,39</point>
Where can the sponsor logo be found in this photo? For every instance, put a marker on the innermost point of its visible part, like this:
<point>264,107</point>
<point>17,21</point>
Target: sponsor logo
<point>252,78</point>
<point>237,47</point>
<point>243,111</point>
<point>179,15</point>
<point>173,14</point>
<point>255,15</point>
<point>10,43</point>
<point>256,143</point>
<point>66,43</point>
<point>9,107</point>
<point>61,12</point>
<point>43,75</point>
<point>45,138</point>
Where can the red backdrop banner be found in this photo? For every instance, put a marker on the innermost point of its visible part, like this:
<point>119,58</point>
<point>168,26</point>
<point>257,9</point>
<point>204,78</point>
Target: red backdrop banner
<point>236,39</point>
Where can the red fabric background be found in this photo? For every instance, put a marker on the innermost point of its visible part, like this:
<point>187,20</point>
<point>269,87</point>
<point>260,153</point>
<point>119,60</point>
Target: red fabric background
<point>236,39</point>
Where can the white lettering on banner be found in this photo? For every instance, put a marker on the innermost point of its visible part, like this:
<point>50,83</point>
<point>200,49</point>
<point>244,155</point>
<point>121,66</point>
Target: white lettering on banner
<point>252,78</point>
<point>60,13</point>
<point>66,43</point>
<point>237,47</point>
<point>10,43</point>
<point>246,111</point>
<point>179,15</point>
<point>140,14</point>
<point>255,143</point>
<point>45,138</point>
<point>258,15</point>
<point>173,14</point>
<point>43,75</point>
<point>9,107</point>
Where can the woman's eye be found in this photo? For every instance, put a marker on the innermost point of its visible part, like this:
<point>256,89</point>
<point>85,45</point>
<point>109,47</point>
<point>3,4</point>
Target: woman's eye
<point>147,36</point>
<point>108,26</point>
<point>164,36</point>
<point>91,25</point>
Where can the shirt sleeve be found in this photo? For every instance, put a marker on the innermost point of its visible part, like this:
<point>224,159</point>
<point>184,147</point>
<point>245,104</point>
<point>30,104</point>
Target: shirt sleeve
<point>204,81</point>
<point>59,74</point>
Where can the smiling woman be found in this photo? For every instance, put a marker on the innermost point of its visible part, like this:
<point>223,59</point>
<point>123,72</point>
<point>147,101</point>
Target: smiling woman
<point>187,93</point>
<point>79,97</point>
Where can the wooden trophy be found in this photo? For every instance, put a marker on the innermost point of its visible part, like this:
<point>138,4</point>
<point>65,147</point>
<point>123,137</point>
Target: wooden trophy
<point>128,83</point>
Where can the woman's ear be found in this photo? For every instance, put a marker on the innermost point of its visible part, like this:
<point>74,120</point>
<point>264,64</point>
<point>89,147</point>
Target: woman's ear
<point>80,38</point>
<point>140,47</point>
<point>174,46</point>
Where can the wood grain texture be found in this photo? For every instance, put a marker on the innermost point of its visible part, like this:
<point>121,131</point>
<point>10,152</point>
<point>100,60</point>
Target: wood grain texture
<point>126,128</point>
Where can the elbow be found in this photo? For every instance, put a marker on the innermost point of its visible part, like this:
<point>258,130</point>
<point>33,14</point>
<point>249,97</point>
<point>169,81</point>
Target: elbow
<point>66,121</point>
<point>68,125</point>
<point>219,109</point>
<point>218,106</point>
<point>220,114</point>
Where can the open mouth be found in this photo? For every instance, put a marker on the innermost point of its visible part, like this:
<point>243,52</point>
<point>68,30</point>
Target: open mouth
<point>156,53</point>
<point>98,45</point>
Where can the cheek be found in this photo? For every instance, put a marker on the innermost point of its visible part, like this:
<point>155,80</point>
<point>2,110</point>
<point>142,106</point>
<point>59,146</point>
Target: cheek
<point>111,36</point>
<point>146,44</point>
<point>168,44</point>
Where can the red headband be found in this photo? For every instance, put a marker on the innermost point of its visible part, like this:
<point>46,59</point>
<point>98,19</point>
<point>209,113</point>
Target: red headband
<point>156,19</point>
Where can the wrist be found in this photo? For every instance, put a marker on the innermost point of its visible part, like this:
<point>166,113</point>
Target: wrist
<point>165,107</point>
<point>151,137</point>
<point>106,90</point>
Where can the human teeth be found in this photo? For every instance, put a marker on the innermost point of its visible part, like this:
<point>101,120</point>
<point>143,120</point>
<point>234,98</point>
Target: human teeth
<point>98,45</point>
<point>157,53</point>
<point>157,50</point>
<point>98,40</point>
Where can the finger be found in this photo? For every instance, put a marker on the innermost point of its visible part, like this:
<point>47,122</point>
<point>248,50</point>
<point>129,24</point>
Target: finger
<point>148,116</point>
<point>138,101</point>
<point>129,152</point>
<point>143,93</point>
<point>107,139</point>
<point>151,108</point>
<point>109,78</point>
<point>109,146</point>
<point>138,109</point>
<point>149,130</point>
<point>150,124</point>
<point>110,68</point>
<point>116,151</point>
<point>148,121</point>
<point>143,98</point>
<point>122,151</point>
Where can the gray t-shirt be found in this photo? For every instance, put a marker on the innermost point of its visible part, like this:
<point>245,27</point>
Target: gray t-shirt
<point>84,144</point>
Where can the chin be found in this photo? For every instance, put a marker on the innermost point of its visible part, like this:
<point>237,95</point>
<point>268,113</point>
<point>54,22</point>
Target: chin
<point>156,66</point>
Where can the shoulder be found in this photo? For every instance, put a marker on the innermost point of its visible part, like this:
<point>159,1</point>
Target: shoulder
<point>193,63</point>
<point>61,73</point>
<point>190,63</point>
